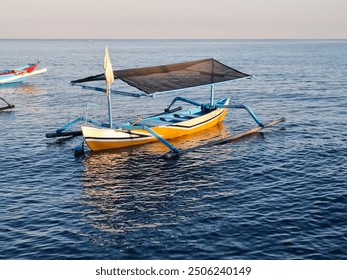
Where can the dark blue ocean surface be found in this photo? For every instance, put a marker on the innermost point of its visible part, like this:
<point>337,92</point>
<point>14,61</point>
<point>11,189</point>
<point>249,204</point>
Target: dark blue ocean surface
<point>279,194</point>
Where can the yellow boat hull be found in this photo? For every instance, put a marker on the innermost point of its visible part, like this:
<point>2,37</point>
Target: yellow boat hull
<point>99,139</point>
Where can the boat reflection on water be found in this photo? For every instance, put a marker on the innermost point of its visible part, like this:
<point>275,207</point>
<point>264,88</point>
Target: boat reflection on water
<point>29,89</point>
<point>21,88</point>
<point>133,189</point>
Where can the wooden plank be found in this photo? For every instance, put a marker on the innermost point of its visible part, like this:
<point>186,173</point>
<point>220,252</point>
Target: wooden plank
<point>228,139</point>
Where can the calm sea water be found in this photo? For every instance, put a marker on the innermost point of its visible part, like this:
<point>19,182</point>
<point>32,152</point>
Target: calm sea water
<point>280,194</point>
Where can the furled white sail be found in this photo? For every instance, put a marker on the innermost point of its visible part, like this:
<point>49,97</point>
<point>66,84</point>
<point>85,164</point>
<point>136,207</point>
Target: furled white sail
<point>108,68</point>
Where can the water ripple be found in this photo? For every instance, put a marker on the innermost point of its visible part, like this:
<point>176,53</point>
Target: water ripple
<point>279,194</point>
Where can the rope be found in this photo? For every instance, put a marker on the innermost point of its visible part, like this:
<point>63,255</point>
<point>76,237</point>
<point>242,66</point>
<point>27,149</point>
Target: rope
<point>136,121</point>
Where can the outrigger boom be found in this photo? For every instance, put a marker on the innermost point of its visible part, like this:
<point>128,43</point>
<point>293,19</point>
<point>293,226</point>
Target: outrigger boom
<point>175,154</point>
<point>174,121</point>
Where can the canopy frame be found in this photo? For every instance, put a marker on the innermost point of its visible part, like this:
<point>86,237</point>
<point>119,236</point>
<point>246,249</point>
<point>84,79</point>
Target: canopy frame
<point>173,77</point>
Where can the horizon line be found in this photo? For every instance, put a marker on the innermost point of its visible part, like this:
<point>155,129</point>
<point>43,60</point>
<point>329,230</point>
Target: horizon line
<point>172,39</point>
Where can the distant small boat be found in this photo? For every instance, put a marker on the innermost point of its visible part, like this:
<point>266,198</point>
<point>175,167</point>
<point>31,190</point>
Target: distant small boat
<point>7,106</point>
<point>19,74</point>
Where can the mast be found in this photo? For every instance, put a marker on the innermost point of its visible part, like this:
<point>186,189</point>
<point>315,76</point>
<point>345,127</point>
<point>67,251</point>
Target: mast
<point>109,104</point>
<point>109,79</point>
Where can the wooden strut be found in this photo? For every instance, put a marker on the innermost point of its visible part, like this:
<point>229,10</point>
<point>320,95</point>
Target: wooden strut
<point>171,154</point>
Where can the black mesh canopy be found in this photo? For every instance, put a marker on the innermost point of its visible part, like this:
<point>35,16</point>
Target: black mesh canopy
<point>173,76</point>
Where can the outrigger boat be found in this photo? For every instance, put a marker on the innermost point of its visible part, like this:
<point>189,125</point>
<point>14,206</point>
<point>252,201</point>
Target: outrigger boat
<point>7,106</point>
<point>173,121</point>
<point>19,74</point>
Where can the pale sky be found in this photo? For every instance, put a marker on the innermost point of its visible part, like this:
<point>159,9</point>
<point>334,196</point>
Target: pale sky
<point>174,19</point>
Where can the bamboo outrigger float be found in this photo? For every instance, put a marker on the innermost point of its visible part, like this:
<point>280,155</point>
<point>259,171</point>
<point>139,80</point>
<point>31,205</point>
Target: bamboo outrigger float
<point>174,121</point>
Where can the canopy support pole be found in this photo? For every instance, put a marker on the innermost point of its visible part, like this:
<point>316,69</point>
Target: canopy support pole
<point>212,96</point>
